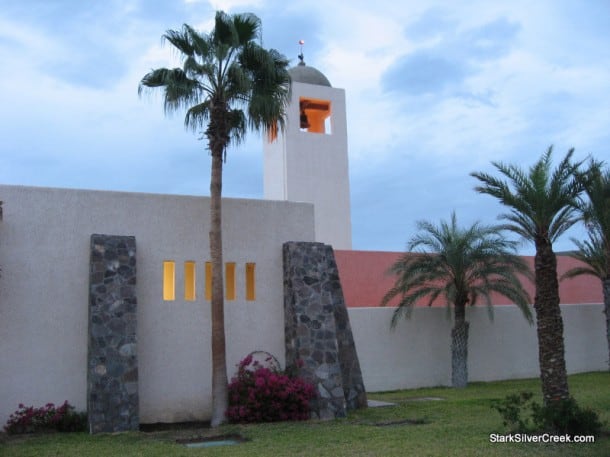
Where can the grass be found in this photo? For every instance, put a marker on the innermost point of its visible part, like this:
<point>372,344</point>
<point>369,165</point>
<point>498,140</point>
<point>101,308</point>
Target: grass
<point>459,425</point>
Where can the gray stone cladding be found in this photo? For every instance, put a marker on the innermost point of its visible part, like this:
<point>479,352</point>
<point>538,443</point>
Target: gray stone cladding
<point>317,330</point>
<point>112,371</point>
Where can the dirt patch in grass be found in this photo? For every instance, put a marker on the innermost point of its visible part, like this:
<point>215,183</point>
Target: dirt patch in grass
<point>424,399</point>
<point>207,439</point>
<point>401,422</point>
<point>164,427</point>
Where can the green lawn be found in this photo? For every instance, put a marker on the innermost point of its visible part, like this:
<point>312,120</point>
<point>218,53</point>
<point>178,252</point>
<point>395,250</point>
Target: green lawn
<point>459,425</point>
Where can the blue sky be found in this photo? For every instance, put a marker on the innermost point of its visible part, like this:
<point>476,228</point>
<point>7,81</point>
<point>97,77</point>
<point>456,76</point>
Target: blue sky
<point>435,90</point>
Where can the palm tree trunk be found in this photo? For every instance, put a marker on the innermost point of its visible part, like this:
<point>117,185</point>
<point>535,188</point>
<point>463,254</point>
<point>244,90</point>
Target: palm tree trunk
<point>607,311</point>
<point>218,140</point>
<point>219,362</point>
<point>606,286</point>
<point>551,352</point>
<point>459,348</point>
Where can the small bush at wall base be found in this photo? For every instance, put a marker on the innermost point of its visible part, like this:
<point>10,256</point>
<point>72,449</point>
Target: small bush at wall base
<point>266,394</point>
<point>521,414</point>
<point>28,419</point>
<point>566,417</point>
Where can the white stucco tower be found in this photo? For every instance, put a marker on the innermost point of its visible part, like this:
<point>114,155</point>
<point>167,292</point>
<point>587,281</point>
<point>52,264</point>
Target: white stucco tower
<point>308,162</point>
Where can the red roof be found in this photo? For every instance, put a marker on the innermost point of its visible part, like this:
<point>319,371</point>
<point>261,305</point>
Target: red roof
<point>364,280</point>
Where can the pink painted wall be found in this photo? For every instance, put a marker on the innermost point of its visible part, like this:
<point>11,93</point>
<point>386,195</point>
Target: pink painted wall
<point>364,280</point>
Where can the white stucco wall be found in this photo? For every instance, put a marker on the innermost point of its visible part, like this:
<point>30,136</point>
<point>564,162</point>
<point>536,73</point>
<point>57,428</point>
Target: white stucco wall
<point>44,256</point>
<point>417,352</point>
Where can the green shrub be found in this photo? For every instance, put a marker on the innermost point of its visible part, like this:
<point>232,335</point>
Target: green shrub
<point>511,409</point>
<point>566,417</point>
<point>521,415</point>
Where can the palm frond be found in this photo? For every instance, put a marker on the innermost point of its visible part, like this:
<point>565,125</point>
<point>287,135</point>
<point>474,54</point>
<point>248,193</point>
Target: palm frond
<point>197,116</point>
<point>247,27</point>
<point>562,222</point>
<point>592,254</point>
<point>270,90</point>
<point>180,40</point>
<point>579,271</point>
<point>203,70</point>
<point>237,84</point>
<point>179,90</point>
<point>201,44</point>
<point>236,120</point>
<point>595,208</point>
<point>224,35</point>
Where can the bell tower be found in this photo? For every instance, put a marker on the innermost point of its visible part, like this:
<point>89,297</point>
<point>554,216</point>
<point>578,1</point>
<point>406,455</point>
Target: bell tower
<point>308,161</point>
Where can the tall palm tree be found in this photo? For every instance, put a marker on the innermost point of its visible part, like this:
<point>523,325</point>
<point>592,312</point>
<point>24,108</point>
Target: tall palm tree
<point>595,252</point>
<point>227,84</point>
<point>542,207</point>
<point>461,265</point>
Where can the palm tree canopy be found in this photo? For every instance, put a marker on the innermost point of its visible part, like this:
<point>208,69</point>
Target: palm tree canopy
<point>541,201</point>
<point>592,254</point>
<point>596,208</point>
<point>458,264</point>
<point>595,212</point>
<point>225,70</point>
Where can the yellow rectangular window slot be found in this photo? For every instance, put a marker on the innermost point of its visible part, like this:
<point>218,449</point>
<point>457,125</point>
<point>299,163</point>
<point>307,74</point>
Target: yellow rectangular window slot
<point>250,282</point>
<point>190,278</point>
<point>169,280</point>
<point>230,280</point>
<point>208,281</point>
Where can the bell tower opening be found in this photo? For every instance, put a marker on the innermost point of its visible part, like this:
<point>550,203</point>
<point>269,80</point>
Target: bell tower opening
<point>315,115</point>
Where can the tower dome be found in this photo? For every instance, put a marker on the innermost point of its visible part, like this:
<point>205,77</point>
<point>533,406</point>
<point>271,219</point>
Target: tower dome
<point>308,75</point>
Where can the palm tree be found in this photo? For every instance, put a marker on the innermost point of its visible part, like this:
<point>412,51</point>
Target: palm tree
<point>461,265</point>
<point>595,252</point>
<point>228,83</point>
<point>542,207</point>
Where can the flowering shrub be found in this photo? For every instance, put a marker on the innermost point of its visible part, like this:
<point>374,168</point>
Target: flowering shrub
<point>265,394</point>
<point>28,419</point>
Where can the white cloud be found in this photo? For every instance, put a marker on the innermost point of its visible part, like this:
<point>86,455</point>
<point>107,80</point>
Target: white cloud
<point>19,43</point>
<point>230,5</point>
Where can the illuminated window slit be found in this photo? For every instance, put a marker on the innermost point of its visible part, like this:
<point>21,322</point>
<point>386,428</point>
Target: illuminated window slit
<point>230,281</point>
<point>208,281</point>
<point>190,281</point>
<point>250,281</point>
<point>169,280</point>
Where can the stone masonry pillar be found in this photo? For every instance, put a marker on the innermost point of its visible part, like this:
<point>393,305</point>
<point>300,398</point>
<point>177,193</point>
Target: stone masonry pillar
<point>317,329</point>
<point>112,366</point>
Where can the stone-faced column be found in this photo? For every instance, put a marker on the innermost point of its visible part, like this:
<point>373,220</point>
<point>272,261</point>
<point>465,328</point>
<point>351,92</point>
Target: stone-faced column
<point>317,329</point>
<point>353,384</point>
<point>112,368</point>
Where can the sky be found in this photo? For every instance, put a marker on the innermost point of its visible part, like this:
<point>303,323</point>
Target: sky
<point>435,90</point>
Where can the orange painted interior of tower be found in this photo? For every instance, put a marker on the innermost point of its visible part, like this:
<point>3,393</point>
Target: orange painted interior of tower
<point>313,114</point>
